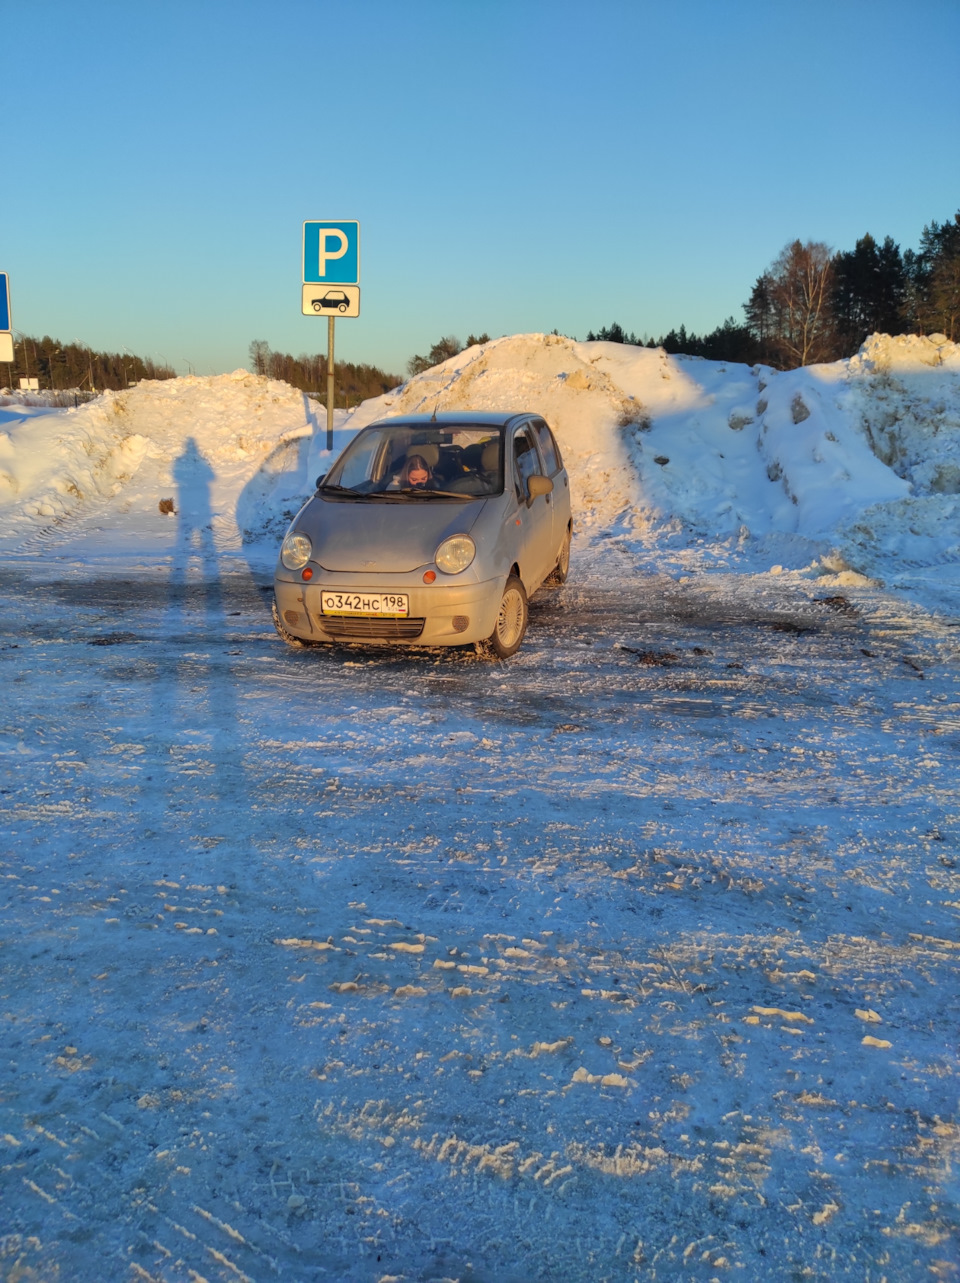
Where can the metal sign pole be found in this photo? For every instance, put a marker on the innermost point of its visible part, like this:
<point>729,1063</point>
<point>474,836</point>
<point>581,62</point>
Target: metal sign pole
<point>330,324</point>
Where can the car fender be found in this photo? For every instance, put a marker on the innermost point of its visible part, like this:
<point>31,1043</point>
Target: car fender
<point>495,534</point>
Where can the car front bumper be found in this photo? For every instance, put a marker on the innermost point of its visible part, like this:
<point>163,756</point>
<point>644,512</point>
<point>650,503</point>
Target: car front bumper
<point>453,613</point>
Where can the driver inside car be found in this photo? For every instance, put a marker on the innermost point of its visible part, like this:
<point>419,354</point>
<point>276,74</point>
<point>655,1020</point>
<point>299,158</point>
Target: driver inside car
<point>416,474</point>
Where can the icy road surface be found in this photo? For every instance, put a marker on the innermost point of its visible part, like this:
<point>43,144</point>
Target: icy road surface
<point>632,958</point>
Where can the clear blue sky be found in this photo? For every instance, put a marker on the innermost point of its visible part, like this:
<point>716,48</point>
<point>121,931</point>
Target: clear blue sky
<point>515,165</point>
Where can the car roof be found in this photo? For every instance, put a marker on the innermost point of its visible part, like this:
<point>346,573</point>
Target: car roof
<point>450,418</point>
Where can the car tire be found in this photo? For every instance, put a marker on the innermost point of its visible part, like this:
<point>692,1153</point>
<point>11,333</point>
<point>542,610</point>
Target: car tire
<point>512,618</point>
<point>318,307</point>
<point>343,307</point>
<point>558,575</point>
<point>297,643</point>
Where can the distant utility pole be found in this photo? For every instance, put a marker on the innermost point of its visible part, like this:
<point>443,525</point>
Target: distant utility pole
<point>89,350</point>
<point>26,355</point>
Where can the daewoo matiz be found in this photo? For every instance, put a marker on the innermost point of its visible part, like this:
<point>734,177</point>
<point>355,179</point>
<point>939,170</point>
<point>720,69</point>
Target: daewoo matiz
<point>428,531</point>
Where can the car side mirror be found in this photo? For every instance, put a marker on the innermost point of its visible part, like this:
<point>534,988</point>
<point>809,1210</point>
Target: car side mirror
<point>538,485</point>
<point>320,479</point>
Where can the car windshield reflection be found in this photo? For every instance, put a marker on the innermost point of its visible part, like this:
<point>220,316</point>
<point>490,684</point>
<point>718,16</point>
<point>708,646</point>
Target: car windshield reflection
<point>407,463</point>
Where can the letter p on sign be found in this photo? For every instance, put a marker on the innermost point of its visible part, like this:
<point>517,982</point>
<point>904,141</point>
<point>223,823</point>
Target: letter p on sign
<point>331,253</point>
<point>328,235</point>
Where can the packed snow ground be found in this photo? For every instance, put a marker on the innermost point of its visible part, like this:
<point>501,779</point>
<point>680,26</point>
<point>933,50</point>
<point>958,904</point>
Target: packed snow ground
<point>632,958</point>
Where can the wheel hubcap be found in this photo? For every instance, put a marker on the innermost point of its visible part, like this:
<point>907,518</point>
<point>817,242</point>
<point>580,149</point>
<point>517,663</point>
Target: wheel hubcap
<point>510,619</point>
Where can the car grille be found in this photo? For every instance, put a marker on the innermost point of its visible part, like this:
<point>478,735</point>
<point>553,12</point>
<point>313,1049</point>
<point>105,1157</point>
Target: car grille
<point>379,629</point>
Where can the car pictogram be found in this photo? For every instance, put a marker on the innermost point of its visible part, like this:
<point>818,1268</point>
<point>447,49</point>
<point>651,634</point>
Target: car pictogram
<point>332,298</point>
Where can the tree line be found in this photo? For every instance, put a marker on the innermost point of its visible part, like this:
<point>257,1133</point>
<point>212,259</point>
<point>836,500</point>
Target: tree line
<point>353,383</point>
<point>75,366</point>
<point>812,304</point>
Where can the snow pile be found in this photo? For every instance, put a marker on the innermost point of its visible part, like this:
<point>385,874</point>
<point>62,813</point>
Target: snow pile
<point>135,448</point>
<point>757,451</point>
<point>904,393</point>
<point>853,465</point>
<point>556,378</point>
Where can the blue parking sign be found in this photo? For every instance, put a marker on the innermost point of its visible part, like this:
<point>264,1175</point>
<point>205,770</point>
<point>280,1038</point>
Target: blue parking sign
<point>5,302</point>
<point>331,253</point>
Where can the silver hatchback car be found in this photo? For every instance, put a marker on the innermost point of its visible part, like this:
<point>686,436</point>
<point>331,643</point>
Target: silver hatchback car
<point>428,531</point>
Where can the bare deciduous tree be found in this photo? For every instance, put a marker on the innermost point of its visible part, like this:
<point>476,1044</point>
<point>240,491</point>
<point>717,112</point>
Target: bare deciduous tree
<point>800,281</point>
<point>260,356</point>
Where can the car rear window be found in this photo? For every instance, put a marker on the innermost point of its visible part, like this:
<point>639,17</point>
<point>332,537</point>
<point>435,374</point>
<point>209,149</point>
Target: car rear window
<point>548,447</point>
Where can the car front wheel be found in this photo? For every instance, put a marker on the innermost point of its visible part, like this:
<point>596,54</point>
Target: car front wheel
<point>511,623</point>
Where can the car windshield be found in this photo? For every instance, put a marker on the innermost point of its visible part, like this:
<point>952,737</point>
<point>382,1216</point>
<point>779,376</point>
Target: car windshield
<point>419,462</point>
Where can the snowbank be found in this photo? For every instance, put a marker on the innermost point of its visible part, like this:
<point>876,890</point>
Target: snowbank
<point>556,378</point>
<point>850,465</point>
<point>117,457</point>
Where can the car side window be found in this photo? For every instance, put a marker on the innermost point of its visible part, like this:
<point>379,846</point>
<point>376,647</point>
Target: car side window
<point>364,461</point>
<point>527,460</point>
<point>548,448</point>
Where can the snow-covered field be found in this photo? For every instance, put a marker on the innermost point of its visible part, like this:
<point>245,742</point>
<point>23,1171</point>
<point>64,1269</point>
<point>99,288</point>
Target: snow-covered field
<point>632,958</point>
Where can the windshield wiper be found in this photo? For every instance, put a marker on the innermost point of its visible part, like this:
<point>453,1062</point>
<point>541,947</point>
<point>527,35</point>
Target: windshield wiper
<point>428,494</point>
<point>334,488</point>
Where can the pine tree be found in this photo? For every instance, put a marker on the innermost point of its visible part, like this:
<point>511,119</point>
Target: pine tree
<point>891,289</point>
<point>868,293</point>
<point>932,273</point>
<point>944,298</point>
<point>761,316</point>
<point>441,351</point>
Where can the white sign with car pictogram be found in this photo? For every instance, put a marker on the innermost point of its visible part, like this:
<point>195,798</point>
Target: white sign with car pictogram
<point>337,300</point>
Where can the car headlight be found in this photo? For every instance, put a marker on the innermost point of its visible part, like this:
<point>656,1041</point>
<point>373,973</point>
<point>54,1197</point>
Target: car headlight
<point>455,554</point>
<point>295,550</point>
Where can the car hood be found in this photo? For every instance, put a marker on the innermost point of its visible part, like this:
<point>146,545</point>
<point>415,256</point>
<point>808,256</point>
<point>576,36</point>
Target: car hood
<point>392,537</point>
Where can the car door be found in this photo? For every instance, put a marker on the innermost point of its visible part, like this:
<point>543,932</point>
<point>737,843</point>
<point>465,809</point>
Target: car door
<point>554,469</point>
<point>535,515</point>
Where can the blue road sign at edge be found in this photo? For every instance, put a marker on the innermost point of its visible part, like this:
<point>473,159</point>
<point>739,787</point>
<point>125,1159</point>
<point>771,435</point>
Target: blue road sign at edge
<point>331,253</point>
<point>5,302</point>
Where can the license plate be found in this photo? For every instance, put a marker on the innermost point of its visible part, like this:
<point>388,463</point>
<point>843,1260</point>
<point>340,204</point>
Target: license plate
<point>390,605</point>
